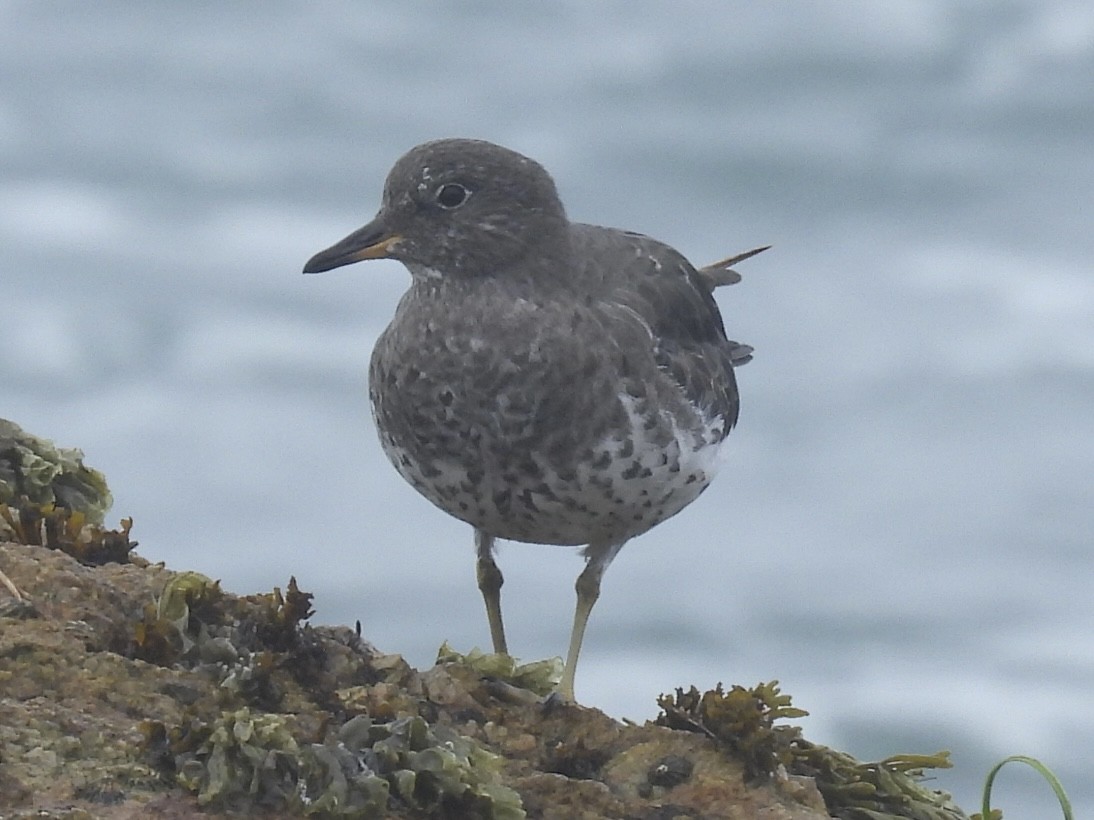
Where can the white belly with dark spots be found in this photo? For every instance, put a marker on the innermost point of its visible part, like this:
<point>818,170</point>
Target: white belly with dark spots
<point>623,487</point>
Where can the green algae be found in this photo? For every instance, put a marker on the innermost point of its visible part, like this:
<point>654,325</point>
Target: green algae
<point>176,622</point>
<point>49,498</point>
<point>192,620</point>
<point>241,759</point>
<point>248,756</point>
<point>540,677</point>
<point>49,475</point>
<point>431,768</point>
<point>245,760</point>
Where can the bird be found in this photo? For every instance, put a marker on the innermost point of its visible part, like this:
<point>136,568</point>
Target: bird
<point>542,380</point>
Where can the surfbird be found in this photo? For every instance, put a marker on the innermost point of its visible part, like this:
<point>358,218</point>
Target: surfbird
<point>542,380</point>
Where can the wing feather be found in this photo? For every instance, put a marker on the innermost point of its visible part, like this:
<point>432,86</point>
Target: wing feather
<point>674,302</point>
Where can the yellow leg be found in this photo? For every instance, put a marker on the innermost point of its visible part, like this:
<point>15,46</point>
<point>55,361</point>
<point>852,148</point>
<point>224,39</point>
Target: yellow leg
<point>598,557</point>
<point>12,588</point>
<point>490,581</point>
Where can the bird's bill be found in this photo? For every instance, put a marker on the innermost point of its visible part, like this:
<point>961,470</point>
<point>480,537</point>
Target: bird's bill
<point>374,241</point>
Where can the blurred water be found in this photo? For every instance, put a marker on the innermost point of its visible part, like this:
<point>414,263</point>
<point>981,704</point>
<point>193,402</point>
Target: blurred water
<point>902,534</point>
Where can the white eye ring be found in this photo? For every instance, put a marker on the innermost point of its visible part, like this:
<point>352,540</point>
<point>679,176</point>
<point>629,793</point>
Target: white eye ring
<point>452,195</point>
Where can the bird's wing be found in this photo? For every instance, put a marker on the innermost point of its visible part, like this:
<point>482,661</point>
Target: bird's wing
<point>674,301</point>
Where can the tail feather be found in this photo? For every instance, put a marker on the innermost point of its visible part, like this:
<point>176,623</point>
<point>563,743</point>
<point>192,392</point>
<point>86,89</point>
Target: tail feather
<point>717,274</point>
<point>740,354</point>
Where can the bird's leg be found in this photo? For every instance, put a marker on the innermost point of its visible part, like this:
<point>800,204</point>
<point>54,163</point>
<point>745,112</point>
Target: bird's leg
<point>597,559</point>
<point>490,582</point>
<point>12,588</point>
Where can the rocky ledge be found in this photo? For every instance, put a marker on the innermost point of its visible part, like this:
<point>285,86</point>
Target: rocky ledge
<point>129,690</point>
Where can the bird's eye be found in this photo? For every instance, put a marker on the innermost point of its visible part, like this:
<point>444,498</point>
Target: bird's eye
<point>452,195</point>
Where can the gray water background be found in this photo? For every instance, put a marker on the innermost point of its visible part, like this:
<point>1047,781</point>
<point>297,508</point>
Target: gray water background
<point>902,530</point>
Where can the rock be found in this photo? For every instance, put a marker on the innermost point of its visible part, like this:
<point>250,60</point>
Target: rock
<point>102,712</point>
<point>128,690</point>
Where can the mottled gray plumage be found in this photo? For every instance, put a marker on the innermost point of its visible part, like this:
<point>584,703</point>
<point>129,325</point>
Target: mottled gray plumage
<point>542,380</point>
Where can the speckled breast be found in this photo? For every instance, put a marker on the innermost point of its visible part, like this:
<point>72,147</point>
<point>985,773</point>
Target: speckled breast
<point>542,444</point>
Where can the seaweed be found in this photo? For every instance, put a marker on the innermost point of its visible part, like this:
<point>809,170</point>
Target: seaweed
<point>277,622</point>
<point>47,474</point>
<point>540,677</point>
<point>69,531</point>
<point>245,760</point>
<point>882,790</point>
<point>742,721</point>
<point>49,498</point>
<point>176,622</point>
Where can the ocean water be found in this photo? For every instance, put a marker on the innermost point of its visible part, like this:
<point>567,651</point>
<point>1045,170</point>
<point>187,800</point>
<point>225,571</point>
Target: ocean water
<point>902,532</point>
